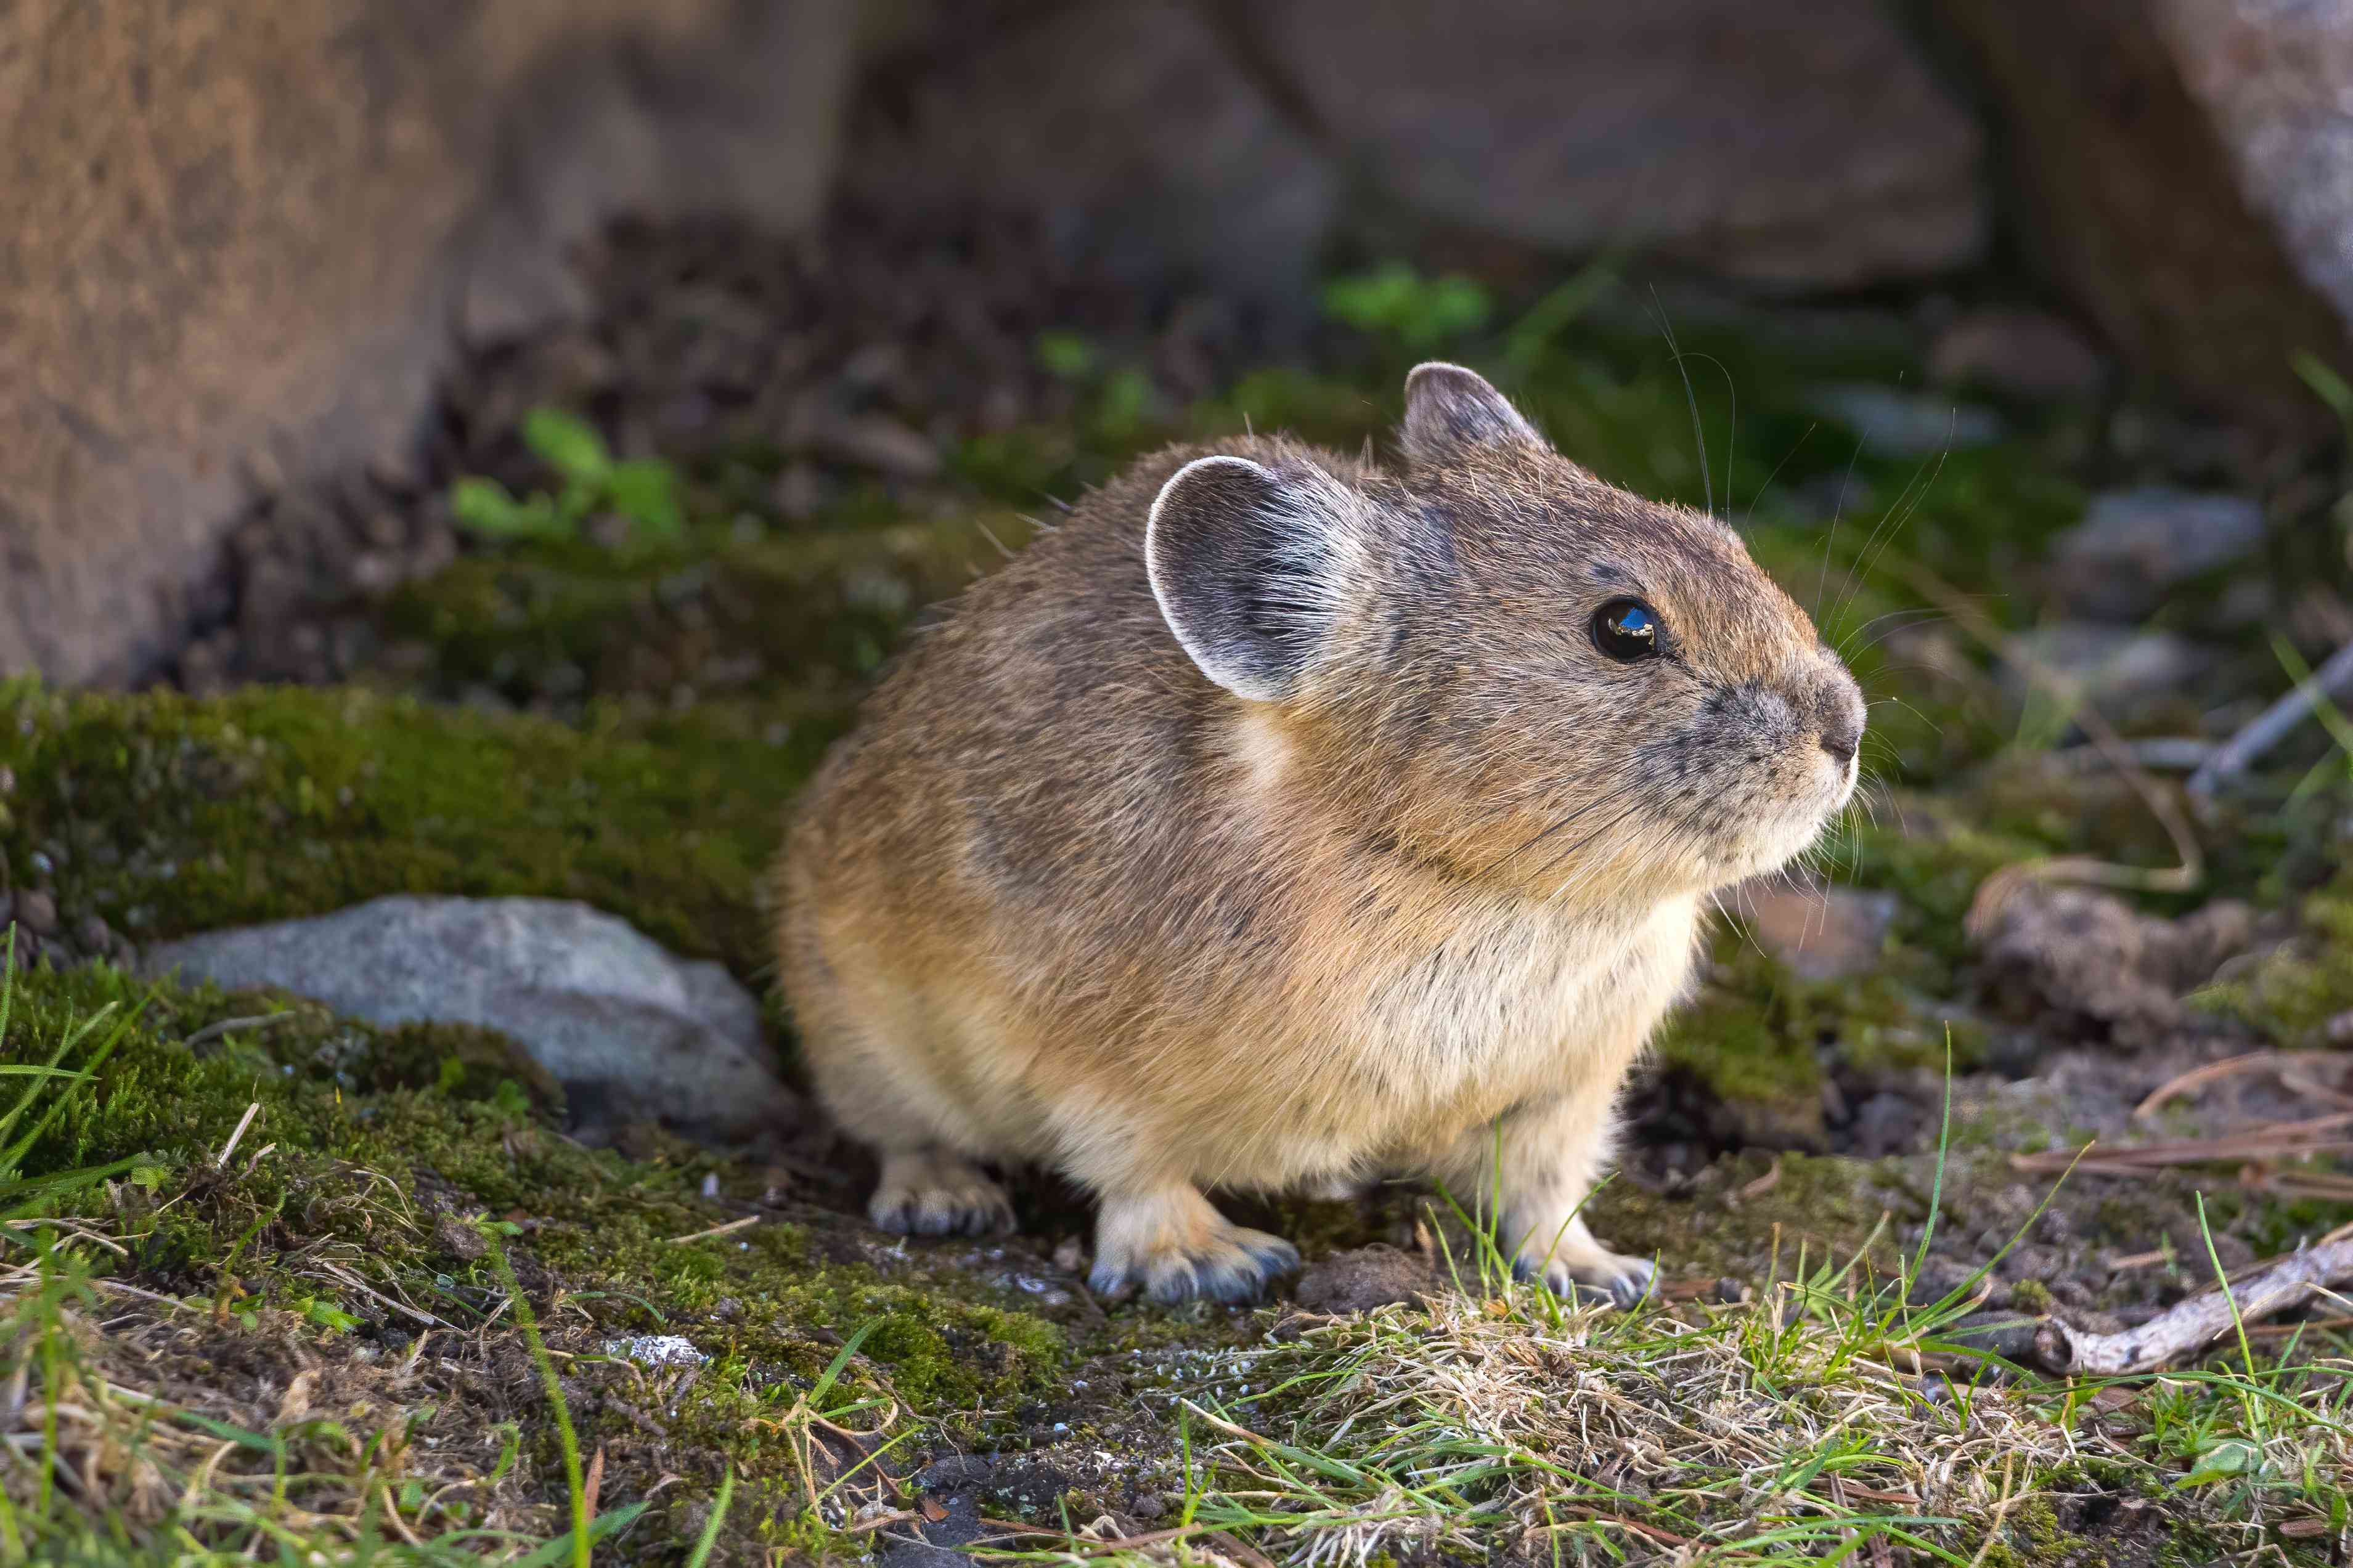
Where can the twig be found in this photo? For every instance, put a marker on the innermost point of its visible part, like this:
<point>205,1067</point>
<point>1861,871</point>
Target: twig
<point>2275,724</point>
<point>2198,1078</point>
<point>2000,1511</point>
<point>717,1230</point>
<point>2320,1135</point>
<point>212,1032</point>
<point>2314,1326</point>
<point>351,1280</point>
<point>2194,1324</point>
<point>243,1122</point>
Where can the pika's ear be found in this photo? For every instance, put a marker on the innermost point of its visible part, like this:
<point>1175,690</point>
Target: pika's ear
<point>1251,567</point>
<point>1449,410</point>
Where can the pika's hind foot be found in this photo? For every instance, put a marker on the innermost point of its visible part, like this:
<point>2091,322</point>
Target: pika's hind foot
<point>1175,1246</point>
<point>928,1192</point>
<point>1580,1265</point>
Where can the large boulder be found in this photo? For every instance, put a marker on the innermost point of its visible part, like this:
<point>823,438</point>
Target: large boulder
<point>1127,128</point>
<point>2184,171</point>
<point>239,238</point>
<point>1788,146</point>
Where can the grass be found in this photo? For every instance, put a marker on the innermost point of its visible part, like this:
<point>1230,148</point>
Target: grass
<point>1832,1416</point>
<point>233,1324</point>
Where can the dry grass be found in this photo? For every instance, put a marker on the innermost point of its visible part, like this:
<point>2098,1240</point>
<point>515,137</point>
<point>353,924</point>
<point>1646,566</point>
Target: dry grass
<point>1814,1422</point>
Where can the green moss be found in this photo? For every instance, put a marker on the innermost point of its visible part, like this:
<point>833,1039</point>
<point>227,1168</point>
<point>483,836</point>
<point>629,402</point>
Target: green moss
<point>819,610</point>
<point>168,815</point>
<point>2292,994</point>
<point>343,1163</point>
<point>1757,1038</point>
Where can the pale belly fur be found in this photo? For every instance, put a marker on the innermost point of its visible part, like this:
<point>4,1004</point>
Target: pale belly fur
<point>1410,1053</point>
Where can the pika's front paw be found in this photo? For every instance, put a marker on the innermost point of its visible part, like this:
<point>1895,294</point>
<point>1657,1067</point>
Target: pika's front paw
<point>1625,1281</point>
<point>1175,1246</point>
<point>938,1194</point>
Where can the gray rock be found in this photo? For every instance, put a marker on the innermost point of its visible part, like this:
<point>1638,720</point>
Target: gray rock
<point>631,1032</point>
<point>1906,423</point>
<point>1128,128</point>
<point>242,272</point>
<point>2275,77</point>
<point>2087,962</point>
<point>2024,354</point>
<point>1675,125</point>
<point>36,912</point>
<point>2121,670</point>
<point>2135,544</point>
<point>2183,171</point>
<point>660,1351</point>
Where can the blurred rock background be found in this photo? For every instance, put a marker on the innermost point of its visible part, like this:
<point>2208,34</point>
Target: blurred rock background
<point>291,218</point>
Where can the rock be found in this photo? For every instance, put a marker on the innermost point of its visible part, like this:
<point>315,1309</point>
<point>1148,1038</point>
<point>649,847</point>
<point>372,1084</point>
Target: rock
<point>2087,962</point>
<point>1822,933</point>
<point>1669,126</point>
<point>1366,1278</point>
<point>2120,670</point>
<point>2022,354</point>
<point>1904,424</point>
<point>2275,78</point>
<point>878,442</point>
<point>459,1239</point>
<point>628,1030</point>
<point>36,912</point>
<point>660,1351</point>
<point>1885,1124</point>
<point>1128,128</point>
<point>2133,545</point>
<point>237,247</point>
<point>2184,173</point>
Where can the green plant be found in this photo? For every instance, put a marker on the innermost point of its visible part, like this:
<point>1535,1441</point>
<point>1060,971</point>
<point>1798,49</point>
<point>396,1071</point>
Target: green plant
<point>644,490</point>
<point>1397,301</point>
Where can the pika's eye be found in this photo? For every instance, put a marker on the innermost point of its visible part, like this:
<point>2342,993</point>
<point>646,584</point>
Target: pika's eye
<point>1626,630</point>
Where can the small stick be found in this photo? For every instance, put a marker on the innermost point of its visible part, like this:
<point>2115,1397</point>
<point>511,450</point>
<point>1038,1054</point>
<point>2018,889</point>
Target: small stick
<point>716,1230</point>
<point>2198,1078</point>
<point>244,1122</point>
<point>212,1032</point>
<point>427,1319</point>
<point>2195,1323</point>
<point>2275,724</point>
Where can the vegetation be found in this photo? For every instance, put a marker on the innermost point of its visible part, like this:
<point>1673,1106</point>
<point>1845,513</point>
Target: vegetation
<point>280,1284</point>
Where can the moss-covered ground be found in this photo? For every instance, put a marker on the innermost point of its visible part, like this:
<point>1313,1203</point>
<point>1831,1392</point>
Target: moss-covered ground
<point>269,1282</point>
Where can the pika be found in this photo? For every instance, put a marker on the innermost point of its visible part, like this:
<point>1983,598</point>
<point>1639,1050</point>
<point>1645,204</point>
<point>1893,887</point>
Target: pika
<point>1286,820</point>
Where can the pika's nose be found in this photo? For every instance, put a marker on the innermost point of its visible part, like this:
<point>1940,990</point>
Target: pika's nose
<point>1841,716</point>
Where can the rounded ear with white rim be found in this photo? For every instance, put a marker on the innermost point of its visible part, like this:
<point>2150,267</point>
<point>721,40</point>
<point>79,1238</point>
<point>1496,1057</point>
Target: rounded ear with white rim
<point>1449,410</point>
<point>1251,566</point>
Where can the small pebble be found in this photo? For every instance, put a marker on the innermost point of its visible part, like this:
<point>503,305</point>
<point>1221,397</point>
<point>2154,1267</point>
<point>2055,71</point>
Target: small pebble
<point>36,912</point>
<point>657,1349</point>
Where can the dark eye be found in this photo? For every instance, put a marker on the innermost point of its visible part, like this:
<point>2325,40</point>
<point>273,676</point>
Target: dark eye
<point>1626,630</point>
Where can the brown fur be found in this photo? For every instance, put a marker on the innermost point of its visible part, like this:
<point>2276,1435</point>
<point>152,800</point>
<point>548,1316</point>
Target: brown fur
<point>1063,897</point>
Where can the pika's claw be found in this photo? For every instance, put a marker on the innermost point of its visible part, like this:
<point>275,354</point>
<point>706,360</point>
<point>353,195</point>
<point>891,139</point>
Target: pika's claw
<point>1177,1248</point>
<point>930,1193</point>
<point>1624,1281</point>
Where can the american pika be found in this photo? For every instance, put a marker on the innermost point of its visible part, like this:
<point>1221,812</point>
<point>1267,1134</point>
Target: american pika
<point>1282,820</point>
